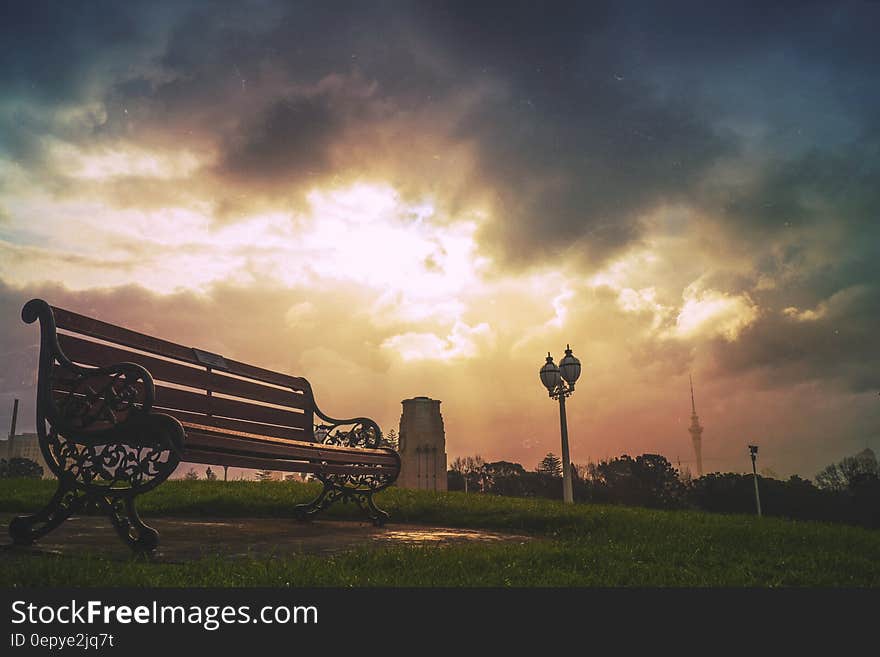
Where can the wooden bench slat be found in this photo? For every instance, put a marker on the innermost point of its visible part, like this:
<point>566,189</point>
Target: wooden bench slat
<point>76,323</point>
<point>203,406</point>
<point>231,408</point>
<point>263,430</point>
<point>71,321</point>
<point>101,355</point>
<point>341,449</point>
<point>257,463</point>
<point>197,440</point>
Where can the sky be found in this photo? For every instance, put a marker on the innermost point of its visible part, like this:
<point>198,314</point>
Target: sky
<point>396,199</point>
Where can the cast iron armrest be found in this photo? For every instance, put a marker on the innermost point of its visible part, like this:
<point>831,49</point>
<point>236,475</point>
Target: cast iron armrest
<point>364,432</point>
<point>90,405</point>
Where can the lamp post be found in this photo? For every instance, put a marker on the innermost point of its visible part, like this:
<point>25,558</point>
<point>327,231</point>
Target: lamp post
<point>559,381</point>
<point>753,452</point>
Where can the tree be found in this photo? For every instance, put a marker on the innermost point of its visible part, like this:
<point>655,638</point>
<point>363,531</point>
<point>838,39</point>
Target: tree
<point>856,480</point>
<point>191,475</point>
<point>391,440</point>
<point>503,469</point>
<point>584,472</point>
<point>469,468</point>
<point>503,478</point>
<point>647,480</point>
<point>264,475</point>
<point>210,475</point>
<point>550,465</point>
<point>19,467</point>
<point>841,476</point>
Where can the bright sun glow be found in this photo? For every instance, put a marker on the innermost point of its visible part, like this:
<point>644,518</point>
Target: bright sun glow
<point>367,234</point>
<point>405,260</point>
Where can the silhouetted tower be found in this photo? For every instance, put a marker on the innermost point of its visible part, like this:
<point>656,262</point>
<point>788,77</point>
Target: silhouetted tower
<point>696,432</point>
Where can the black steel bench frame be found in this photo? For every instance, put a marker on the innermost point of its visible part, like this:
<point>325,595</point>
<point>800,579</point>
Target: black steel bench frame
<point>109,433</point>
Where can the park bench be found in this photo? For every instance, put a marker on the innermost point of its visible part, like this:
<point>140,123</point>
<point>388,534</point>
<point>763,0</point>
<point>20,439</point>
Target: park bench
<point>117,411</point>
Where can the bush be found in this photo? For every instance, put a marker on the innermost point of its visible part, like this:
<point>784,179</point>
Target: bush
<point>19,467</point>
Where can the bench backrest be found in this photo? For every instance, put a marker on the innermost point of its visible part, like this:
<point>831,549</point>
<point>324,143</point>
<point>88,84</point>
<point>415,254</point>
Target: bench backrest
<point>193,385</point>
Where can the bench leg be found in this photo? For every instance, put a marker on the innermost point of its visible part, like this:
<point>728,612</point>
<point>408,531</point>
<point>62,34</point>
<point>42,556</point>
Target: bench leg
<point>66,501</point>
<point>376,515</point>
<point>128,524</point>
<point>325,498</point>
<point>330,493</point>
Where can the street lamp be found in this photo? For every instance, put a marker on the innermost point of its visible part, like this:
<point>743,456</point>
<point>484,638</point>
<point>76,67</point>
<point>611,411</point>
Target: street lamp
<point>559,381</point>
<point>753,452</point>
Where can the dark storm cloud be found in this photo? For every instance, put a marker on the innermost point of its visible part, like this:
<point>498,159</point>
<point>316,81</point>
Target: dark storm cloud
<point>576,147</point>
<point>288,137</point>
<point>840,345</point>
<point>57,54</point>
<point>833,196</point>
<point>51,50</point>
<point>837,186</point>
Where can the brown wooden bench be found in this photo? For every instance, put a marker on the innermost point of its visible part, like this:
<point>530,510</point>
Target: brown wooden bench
<point>117,411</point>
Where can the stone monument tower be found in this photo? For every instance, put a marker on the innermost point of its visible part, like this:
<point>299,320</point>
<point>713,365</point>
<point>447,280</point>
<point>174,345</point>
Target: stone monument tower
<point>422,445</point>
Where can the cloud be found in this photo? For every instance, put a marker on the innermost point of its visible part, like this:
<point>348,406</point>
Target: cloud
<point>122,161</point>
<point>807,315</point>
<point>462,342</point>
<point>837,342</point>
<point>710,313</point>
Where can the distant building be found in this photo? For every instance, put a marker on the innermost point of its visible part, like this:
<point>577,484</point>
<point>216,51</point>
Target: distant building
<point>422,445</point>
<point>26,446</point>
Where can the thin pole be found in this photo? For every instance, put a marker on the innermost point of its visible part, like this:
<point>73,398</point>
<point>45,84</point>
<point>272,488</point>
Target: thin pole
<point>14,419</point>
<point>9,443</point>
<point>757,495</point>
<point>567,495</point>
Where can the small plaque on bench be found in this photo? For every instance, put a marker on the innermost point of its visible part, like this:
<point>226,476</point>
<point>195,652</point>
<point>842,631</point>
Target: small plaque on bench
<point>214,361</point>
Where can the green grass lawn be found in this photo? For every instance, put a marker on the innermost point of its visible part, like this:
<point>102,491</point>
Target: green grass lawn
<point>580,545</point>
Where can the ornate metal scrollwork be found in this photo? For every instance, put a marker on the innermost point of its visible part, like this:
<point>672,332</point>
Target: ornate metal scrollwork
<point>90,400</point>
<point>357,487</point>
<point>124,463</point>
<point>363,432</point>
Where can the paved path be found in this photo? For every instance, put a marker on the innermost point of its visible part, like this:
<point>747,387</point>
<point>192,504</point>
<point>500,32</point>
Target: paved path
<point>184,539</point>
